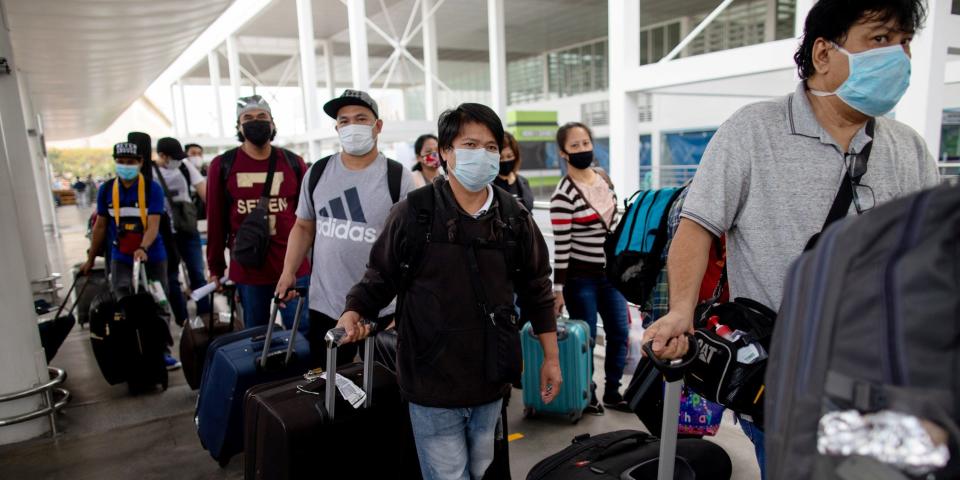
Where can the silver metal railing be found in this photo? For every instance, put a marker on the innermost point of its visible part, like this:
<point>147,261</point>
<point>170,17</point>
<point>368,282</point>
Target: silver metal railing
<point>49,390</point>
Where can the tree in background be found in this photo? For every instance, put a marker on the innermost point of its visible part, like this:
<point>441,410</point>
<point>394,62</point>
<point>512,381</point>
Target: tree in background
<point>80,162</point>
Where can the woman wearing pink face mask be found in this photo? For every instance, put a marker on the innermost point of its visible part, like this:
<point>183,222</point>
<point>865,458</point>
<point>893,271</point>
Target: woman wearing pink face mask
<point>428,161</point>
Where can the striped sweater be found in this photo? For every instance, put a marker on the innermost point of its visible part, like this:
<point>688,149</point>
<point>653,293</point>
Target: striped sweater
<point>579,231</point>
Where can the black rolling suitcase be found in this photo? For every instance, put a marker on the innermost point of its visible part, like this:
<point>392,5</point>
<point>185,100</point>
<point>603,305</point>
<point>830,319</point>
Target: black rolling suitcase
<point>196,336</point>
<point>129,338</point>
<point>636,455</point>
<point>55,328</point>
<point>290,428</point>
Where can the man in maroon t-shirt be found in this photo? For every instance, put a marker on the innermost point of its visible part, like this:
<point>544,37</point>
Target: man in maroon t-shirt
<point>235,182</point>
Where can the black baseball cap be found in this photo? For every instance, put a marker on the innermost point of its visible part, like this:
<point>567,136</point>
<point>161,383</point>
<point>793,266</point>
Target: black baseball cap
<point>126,150</point>
<point>351,97</point>
<point>171,148</point>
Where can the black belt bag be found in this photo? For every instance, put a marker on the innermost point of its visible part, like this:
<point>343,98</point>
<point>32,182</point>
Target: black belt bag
<point>252,240</point>
<point>716,373</point>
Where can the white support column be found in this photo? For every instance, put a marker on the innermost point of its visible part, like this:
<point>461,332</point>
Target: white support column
<point>922,105</point>
<point>308,72</point>
<point>656,157</point>
<point>48,212</point>
<point>177,126</point>
<point>233,65</point>
<point>21,168</point>
<point>770,21</point>
<point>213,63</point>
<point>359,58</point>
<point>624,51</point>
<point>43,180</point>
<point>802,9</point>
<point>23,363</point>
<point>183,109</point>
<point>429,59</point>
<point>329,69</point>
<point>498,57</point>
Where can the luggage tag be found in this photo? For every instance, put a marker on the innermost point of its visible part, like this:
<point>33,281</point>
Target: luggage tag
<point>350,391</point>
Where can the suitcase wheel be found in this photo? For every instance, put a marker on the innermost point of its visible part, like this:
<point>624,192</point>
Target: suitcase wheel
<point>575,417</point>
<point>529,412</point>
<point>223,462</point>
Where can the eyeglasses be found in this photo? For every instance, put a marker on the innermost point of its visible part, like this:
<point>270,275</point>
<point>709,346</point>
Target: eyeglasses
<point>863,197</point>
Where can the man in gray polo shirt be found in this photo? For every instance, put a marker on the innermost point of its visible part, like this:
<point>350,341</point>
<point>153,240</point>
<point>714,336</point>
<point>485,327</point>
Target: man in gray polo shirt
<point>771,173</point>
<point>342,216</point>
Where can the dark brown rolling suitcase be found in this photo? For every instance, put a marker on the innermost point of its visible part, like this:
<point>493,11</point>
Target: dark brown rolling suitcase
<point>290,433</point>
<point>196,336</point>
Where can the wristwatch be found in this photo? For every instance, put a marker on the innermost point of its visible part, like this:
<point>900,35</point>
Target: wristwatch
<point>141,247</point>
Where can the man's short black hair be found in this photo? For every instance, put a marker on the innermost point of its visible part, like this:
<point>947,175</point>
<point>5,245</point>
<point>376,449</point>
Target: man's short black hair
<point>452,121</point>
<point>191,145</point>
<point>832,19</point>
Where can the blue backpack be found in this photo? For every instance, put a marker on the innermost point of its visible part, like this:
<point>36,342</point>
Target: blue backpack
<point>634,250</point>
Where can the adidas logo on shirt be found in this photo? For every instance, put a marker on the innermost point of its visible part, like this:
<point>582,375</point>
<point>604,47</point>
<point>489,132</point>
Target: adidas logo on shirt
<point>332,221</point>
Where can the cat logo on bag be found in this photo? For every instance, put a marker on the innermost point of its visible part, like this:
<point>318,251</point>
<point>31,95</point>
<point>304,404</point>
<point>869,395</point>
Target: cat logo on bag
<point>706,351</point>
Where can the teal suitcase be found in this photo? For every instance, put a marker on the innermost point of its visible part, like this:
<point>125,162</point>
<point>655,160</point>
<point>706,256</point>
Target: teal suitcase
<point>576,366</point>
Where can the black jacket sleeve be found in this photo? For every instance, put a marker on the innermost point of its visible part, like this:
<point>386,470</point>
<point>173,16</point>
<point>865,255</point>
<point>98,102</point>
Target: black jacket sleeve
<point>534,289</point>
<point>379,285</point>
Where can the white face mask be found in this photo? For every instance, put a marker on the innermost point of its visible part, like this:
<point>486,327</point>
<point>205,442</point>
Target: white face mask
<point>357,140</point>
<point>173,164</point>
<point>197,161</point>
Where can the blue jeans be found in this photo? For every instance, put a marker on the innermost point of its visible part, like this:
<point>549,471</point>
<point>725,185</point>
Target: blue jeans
<point>756,436</point>
<point>188,244</point>
<point>257,300</point>
<point>585,298</point>
<point>455,443</point>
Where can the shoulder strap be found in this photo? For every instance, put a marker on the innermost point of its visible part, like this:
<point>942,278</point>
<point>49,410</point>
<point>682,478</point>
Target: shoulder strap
<point>226,165</point>
<point>316,172</point>
<point>514,216</point>
<point>271,169</point>
<point>141,201</point>
<point>294,164</point>
<point>841,203</point>
<point>186,174</point>
<point>163,184</point>
<point>394,177</point>
<point>419,224</point>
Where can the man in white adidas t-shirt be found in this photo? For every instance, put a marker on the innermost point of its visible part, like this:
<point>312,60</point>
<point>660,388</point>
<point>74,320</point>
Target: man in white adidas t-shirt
<point>341,215</point>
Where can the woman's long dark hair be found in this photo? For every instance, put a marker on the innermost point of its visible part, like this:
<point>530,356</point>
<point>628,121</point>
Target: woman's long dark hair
<point>418,146</point>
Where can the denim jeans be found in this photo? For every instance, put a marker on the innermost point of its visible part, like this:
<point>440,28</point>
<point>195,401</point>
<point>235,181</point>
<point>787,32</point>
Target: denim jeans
<point>188,244</point>
<point>585,298</point>
<point>455,443</point>
<point>756,436</point>
<point>257,300</point>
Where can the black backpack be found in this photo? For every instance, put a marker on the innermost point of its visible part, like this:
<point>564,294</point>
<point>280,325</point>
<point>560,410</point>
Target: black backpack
<point>394,176</point>
<point>870,321</point>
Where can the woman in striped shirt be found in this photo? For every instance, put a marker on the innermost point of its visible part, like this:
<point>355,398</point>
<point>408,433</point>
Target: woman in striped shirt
<point>583,210</point>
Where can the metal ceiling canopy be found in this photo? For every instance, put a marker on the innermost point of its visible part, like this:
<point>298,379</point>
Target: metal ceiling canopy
<point>86,61</point>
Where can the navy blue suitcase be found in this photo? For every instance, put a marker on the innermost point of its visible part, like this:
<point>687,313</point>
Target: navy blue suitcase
<point>235,362</point>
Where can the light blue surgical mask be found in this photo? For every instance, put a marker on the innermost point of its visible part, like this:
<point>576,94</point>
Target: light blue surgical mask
<point>128,172</point>
<point>878,79</point>
<point>476,168</point>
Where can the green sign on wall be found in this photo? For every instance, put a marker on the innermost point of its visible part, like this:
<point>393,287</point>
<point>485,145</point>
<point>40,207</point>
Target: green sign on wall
<point>530,126</point>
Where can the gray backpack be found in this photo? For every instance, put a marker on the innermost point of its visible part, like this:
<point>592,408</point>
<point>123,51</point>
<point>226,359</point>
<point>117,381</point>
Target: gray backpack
<point>870,321</point>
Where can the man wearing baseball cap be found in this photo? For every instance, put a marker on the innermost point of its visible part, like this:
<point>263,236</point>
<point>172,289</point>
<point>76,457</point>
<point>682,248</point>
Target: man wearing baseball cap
<point>177,176</point>
<point>236,182</point>
<point>128,211</point>
<point>343,206</point>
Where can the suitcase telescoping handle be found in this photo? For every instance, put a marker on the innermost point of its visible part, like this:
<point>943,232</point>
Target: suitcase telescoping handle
<point>673,373</point>
<point>275,310</point>
<point>334,339</point>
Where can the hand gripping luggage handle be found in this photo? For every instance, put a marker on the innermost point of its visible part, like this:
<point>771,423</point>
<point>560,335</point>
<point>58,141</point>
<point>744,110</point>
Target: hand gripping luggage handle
<point>274,311</point>
<point>334,339</point>
<point>673,369</point>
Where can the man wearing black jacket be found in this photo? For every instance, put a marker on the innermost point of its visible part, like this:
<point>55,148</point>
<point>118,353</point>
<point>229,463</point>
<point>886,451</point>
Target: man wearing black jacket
<point>455,253</point>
